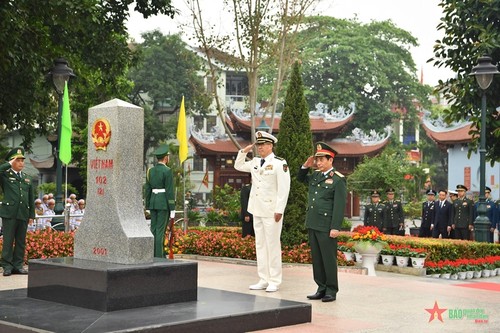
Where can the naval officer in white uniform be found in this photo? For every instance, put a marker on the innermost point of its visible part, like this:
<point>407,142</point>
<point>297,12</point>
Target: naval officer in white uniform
<point>268,197</point>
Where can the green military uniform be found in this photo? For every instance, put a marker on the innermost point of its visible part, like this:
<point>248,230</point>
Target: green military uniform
<point>327,196</point>
<point>462,215</point>
<point>375,213</point>
<point>16,208</point>
<point>394,216</point>
<point>160,200</point>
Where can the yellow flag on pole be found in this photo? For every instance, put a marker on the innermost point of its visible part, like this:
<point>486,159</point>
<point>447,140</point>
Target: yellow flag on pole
<point>181,133</point>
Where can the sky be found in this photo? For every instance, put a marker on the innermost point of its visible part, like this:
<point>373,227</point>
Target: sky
<point>419,17</point>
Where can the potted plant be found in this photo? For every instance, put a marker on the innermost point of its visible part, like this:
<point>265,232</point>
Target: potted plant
<point>462,269</point>
<point>417,257</point>
<point>387,254</point>
<point>346,225</point>
<point>402,253</point>
<point>347,250</point>
<point>368,241</point>
<point>445,268</point>
<point>432,269</point>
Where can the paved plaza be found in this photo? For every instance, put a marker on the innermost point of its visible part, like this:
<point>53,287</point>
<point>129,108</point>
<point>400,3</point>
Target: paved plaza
<point>389,302</point>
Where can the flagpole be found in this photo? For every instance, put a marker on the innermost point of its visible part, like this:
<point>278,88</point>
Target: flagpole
<point>185,205</point>
<point>65,184</point>
<point>183,152</point>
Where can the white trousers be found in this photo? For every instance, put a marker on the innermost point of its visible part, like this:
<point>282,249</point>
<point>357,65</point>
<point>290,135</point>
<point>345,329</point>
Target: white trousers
<point>268,249</point>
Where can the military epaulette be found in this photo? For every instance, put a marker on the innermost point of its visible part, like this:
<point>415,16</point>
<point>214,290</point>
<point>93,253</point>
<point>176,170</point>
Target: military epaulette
<point>339,174</point>
<point>279,158</point>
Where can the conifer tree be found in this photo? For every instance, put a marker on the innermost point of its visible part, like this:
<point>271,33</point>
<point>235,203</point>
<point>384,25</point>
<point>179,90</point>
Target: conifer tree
<point>295,145</point>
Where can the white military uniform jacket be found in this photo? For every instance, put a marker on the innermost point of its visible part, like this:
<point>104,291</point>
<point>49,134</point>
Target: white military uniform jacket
<point>270,184</point>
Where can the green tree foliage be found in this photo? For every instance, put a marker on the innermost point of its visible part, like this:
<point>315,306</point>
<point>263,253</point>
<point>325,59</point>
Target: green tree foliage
<point>389,169</point>
<point>471,29</point>
<point>295,145</point>
<point>168,70</point>
<point>90,34</point>
<point>155,131</point>
<point>51,188</point>
<point>368,64</point>
<point>345,61</point>
<point>226,198</point>
<point>261,33</point>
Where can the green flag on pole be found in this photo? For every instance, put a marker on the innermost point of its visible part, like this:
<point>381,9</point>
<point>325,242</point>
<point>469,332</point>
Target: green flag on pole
<point>66,131</point>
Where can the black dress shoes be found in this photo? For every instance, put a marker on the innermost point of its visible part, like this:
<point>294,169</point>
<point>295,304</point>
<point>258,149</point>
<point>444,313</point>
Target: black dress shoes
<point>318,295</point>
<point>20,271</point>
<point>328,298</point>
<point>7,272</point>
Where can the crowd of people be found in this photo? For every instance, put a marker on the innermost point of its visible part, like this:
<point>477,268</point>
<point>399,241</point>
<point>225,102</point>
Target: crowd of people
<point>450,215</point>
<point>45,207</point>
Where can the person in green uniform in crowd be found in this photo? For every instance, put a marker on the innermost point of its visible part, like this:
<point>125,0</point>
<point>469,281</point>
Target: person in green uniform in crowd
<point>17,211</point>
<point>327,198</point>
<point>394,223</point>
<point>375,212</point>
<point>160,198</point>
<point>462,214</point>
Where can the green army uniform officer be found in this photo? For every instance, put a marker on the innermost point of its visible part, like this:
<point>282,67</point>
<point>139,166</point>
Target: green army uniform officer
<point>462,214</point>
<point>327,196</point>
<point>375,212</point>
<point>160,198</point>
<point>17,211</point>
<point>394,222</point>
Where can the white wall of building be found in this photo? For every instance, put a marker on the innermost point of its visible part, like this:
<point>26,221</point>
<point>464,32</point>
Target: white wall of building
<point>459,165</point>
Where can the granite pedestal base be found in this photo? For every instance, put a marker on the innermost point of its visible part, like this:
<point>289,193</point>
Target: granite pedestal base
<point>215,311</point>
<point>107,287</point>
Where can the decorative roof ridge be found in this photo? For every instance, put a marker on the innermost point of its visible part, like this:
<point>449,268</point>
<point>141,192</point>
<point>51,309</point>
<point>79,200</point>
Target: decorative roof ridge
<point>371,139</point>
<point>439,125</point>
<point>216,134</point>
<point>342,113</point>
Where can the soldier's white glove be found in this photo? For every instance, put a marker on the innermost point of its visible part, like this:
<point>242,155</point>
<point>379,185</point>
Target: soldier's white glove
<point>172,214</point>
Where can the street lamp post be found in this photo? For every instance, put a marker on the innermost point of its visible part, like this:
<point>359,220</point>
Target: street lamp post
<point>483,72</point>
<point>60,73</point>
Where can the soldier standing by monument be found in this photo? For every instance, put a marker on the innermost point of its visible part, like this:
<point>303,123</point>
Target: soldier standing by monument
<point>17,211</point>
<point>327,196</point>
<point>160,198</point>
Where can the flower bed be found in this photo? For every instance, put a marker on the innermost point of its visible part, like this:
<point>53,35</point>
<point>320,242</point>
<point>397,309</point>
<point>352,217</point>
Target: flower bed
<point>440,249</point>
<point>462,265</point>
<point>227,242</point>
<point>47,243</point>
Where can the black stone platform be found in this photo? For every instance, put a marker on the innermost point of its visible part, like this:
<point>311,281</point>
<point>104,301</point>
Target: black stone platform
<point>215,311</point>
<point>105,286</point>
